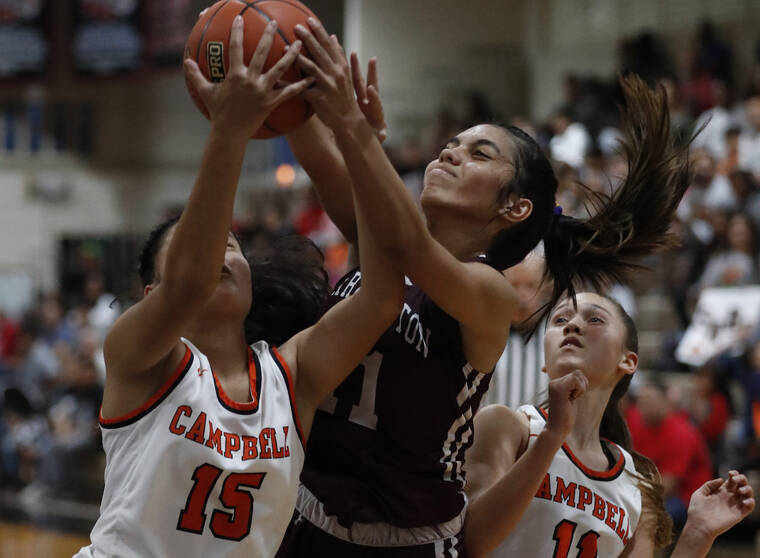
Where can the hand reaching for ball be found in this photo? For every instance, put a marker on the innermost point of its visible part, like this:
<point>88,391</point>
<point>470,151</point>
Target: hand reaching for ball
<point>241,103</point>
<point>368,96</point>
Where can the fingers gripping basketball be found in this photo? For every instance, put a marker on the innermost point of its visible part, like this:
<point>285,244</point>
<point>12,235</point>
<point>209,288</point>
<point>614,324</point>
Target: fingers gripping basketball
<point>208,45</point>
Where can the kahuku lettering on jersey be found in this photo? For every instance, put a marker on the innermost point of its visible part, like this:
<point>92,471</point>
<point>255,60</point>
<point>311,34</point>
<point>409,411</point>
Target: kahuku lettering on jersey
<point>577,512</point>
<point>194,473</point>
<point>385,459</point>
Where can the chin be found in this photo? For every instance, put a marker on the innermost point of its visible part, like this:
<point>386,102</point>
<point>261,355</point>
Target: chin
<point>563,367</point>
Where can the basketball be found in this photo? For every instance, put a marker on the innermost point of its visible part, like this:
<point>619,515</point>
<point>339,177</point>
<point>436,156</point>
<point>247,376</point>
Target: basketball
<point>208,46</point>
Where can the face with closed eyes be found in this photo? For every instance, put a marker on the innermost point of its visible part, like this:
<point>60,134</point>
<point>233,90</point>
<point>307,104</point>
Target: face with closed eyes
<point>468,176</point>
<point>589,337</point>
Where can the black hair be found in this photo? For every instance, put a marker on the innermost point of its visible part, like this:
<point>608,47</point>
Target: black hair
<point>289,282</point>
<point>290,286</point>
<point>626,225</point>
<point>614,428</point>
<point>146,267</point>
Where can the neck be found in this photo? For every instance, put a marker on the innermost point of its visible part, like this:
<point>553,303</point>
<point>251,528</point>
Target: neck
<point>463,239</point>
<point>223,343</point>
<point>590,408</point>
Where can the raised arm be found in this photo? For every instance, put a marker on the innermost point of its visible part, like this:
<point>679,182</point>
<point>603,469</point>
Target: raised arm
<point>314,146</point>
<point>502,476</point>
<point>474,294</point>
<point>323,355</point>
<point>146,337</point>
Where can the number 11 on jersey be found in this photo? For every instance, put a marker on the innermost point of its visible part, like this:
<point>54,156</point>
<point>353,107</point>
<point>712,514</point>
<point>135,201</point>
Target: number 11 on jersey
<point>354,399</point>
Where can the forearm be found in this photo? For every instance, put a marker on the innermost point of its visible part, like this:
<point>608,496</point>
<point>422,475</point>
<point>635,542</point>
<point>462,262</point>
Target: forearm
<point>493,515</point>
<point>693,543</point>
<point>196,252</point>
<point>392,216</point>
<point>314,147</point>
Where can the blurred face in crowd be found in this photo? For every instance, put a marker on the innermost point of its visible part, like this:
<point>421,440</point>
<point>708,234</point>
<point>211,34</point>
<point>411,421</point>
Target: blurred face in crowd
<point>753,112</point>
<point>739,234</point>
<point>525,277</point>
<point>591,338</point>
<point>468,176</point>
<point>653,405</point>
<point>233,293</point>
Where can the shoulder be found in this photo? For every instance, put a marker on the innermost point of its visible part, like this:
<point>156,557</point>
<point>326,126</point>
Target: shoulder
<point>498,426</point>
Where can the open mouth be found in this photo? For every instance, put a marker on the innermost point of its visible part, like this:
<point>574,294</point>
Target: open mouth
<point>570,341</point>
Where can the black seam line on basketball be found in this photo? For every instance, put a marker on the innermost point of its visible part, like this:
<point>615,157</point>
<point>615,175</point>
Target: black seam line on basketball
<point>205,28</point>
<point>296,6</point>
<point>268,18</point>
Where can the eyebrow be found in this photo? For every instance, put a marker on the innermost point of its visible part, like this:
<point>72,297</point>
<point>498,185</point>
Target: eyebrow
<point>457,142</point>
<point>562,306</point>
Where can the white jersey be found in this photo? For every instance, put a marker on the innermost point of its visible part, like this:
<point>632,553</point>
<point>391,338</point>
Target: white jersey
<point>577,512</point>
<point>194,473</point>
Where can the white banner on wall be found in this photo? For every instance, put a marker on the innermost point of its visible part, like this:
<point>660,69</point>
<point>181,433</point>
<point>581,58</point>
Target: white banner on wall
<point>720,322</point>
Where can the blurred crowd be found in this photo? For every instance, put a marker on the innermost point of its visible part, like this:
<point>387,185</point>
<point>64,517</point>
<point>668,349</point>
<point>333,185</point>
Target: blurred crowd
<point>51,368</point>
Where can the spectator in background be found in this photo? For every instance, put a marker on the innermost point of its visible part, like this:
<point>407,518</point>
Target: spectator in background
<point>712,60</point>
<point>673,443</point>
<point>713,123</point>
<point>681,120</point>
<point>709,407</point>
<point>736,263</point>
<point>518,376</point>
<point>570,142</point>
<point>746,370</point>
<point>749,138</point>
<point>8,336</point>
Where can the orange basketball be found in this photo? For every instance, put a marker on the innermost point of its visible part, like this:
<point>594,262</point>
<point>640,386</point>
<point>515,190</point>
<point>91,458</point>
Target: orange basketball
<point>208,45</point>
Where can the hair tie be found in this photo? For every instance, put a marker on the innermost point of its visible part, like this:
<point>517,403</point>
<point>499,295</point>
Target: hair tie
<point>557,209</point>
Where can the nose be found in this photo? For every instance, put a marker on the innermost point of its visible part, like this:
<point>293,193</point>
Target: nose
<point>572,326</point>
<point>449,155</point>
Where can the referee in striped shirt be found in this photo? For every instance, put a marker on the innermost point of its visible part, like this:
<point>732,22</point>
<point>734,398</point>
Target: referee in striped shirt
<point>518,377</point>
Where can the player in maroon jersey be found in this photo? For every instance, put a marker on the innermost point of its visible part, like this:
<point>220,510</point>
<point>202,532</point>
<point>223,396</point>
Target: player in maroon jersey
<point>385,464</point>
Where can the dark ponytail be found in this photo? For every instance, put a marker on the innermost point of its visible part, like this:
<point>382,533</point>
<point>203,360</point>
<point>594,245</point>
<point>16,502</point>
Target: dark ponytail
<point>635,220</point>
<point>290,286</point>
<point>615,429</point>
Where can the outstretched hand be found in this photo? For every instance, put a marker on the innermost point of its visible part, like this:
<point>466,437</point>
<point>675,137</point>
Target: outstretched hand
<point>368,95</point>
<point>241,103</point>
<point>720,504</point>
<point>335,92</point>
<point>563,392</point>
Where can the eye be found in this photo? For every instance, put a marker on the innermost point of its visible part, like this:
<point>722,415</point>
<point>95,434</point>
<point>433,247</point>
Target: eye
<point>560,320</point>
<point>596,320</point>
<point>480,153</point>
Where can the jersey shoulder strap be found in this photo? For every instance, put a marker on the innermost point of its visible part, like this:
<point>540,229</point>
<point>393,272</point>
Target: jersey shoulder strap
<point>536,420</point>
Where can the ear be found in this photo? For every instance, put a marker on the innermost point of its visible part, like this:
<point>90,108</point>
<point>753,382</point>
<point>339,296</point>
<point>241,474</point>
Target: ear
<point>516,210</point>
<point>147,289</point>
<point>629,362</point>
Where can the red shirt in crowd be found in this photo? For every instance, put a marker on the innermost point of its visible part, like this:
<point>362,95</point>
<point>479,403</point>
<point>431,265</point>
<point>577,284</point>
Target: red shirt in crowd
<point>676,447</point>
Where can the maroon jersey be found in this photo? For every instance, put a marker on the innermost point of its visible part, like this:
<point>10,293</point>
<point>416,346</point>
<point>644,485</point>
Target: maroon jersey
<point>388,445</point>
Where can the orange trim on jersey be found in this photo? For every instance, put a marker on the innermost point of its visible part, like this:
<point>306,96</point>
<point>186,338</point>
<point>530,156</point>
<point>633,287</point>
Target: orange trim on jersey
<point>154,398</point>
<point>291,391</point>
<point>609,474</point>
<point>228,401</point>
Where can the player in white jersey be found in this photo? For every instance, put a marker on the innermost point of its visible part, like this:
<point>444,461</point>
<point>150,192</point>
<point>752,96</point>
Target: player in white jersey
<point>200,421</point>
<point>565,483</point>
